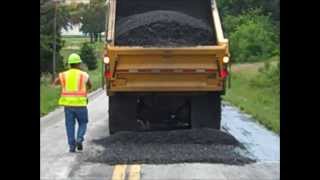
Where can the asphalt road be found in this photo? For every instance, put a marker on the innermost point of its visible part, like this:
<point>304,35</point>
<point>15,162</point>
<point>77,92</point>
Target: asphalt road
<point>58,163</point>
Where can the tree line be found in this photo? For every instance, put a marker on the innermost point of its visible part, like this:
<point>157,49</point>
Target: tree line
<point>252,27</point>
<point>90,16</point>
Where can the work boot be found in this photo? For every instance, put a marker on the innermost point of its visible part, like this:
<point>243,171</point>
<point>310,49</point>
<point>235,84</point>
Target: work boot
<point>72,149</point>
<point>79,146</point>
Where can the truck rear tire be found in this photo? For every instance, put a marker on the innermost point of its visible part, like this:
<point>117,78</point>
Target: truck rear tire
<point>206,111</point>
<point>122,113</point>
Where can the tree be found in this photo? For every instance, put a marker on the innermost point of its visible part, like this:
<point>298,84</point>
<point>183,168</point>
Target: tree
<point>75,10</point>
<point>47,35</point>
<point>252,38</point>
<point>252,27</point>
<point>88,56</point>
<point>237,7</point>
<point>93,19</point>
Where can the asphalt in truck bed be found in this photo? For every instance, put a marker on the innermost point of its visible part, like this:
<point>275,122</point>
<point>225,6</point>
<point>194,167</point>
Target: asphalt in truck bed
<point>171,24</point>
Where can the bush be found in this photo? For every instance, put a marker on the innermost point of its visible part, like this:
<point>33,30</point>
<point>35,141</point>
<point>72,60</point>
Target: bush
<point>230,22</point>
<point>236,7</point>
<point>88,56</point>
<point>252,37</point>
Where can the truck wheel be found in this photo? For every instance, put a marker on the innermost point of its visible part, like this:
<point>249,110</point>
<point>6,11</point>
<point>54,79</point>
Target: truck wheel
<point>122,113</point>
<point>206,111</point>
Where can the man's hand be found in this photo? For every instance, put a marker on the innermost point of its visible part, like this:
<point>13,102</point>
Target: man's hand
<point>55,82</point>
<point>89,84</point>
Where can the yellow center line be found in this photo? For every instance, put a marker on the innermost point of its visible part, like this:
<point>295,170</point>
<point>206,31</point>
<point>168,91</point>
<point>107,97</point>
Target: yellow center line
<point>134,172</point>
<point>119,172</point>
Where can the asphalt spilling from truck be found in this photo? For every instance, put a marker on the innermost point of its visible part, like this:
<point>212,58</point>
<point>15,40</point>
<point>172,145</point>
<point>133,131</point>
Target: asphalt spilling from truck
<point>166,147</point>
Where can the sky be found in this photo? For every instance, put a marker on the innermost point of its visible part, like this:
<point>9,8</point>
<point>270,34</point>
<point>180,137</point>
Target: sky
<point>73,31</point>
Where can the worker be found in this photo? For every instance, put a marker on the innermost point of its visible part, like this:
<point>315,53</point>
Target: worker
<point>74,84</point>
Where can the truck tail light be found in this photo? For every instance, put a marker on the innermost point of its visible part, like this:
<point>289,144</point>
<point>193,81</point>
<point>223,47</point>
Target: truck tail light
<point>224,73</point>
<point>107,74</point>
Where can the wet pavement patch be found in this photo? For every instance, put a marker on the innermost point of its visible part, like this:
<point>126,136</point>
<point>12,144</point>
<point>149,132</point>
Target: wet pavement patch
<point>165,147</point>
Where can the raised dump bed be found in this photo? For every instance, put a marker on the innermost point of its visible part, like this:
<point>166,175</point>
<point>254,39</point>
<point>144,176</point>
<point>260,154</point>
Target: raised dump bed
<point>165,23</point>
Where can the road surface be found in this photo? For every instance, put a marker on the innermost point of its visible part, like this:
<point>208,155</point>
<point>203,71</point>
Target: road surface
<point>58,163</point>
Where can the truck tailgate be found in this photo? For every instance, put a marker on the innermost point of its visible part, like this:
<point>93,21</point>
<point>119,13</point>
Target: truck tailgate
<point>166,69</point>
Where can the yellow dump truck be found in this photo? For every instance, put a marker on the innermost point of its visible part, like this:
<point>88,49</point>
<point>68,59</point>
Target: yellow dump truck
<point>164,86</point>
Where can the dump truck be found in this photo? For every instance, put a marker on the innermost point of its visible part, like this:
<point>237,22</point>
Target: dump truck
<point>166,64</point>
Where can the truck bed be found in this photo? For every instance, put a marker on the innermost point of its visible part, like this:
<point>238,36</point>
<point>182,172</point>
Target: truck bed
<point>165,63</point>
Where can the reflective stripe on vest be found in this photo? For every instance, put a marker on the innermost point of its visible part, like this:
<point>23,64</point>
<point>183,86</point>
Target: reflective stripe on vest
<point>74,93</point>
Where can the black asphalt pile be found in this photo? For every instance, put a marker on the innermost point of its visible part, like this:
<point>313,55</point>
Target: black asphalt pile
<point>165,147</point>
<point>164,23</point>
<point>163,28</point>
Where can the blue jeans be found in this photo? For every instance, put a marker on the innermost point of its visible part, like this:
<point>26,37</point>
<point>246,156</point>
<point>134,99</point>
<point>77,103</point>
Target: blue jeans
<point>71,114</point>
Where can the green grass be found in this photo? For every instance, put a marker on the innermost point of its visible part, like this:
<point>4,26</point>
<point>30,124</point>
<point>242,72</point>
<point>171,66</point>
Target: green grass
<point>96,76</point>
<point>262,103</point>
<point>69,41</point>
<point>49,95</point>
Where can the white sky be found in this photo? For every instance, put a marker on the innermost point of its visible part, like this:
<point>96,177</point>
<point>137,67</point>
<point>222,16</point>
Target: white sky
<point>73,31</point>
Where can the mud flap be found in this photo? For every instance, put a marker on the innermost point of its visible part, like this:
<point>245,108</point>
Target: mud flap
<point>206,111</point>
<point>163,112</point>
<point>122,113</point>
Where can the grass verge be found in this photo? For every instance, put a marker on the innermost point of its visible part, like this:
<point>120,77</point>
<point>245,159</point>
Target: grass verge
<point>261,102</point>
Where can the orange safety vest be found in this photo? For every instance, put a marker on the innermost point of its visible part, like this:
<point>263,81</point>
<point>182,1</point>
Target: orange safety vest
<point>74,91</point>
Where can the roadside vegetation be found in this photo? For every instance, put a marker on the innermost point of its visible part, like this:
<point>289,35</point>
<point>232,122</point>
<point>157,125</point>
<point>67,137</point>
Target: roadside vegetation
<point>252,27</point>
<point>255,90</point>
